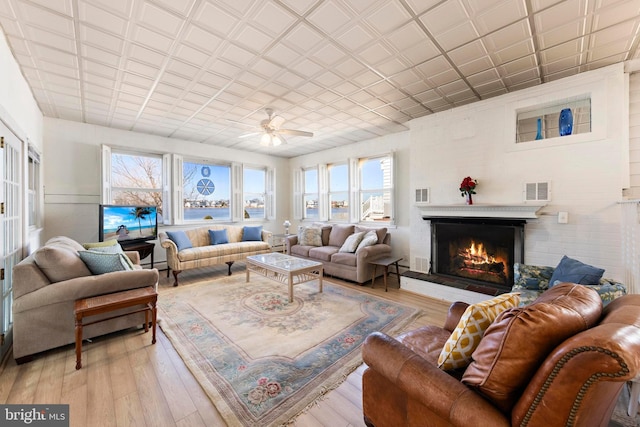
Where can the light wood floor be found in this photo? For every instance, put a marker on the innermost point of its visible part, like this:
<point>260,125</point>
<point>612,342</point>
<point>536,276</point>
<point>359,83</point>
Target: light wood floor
<point>126,381</point>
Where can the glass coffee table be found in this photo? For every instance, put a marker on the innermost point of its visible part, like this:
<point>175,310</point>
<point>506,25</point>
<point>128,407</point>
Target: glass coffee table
<point>285,269</point>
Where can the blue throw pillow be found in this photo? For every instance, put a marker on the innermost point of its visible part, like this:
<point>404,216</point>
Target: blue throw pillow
<point>180,239</point>
<point>250,234</point>
<point>573,271</point>
<point>103,262</point>
<point>218,237</point>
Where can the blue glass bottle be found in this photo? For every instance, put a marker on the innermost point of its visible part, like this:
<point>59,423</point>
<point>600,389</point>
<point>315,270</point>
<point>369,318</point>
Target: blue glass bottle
<point>565,122</point>
<point>539,133</point>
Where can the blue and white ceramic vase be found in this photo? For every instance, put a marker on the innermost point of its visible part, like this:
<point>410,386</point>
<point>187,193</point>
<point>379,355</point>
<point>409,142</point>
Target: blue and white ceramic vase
<point>565,123</point>
<point>539,133</point>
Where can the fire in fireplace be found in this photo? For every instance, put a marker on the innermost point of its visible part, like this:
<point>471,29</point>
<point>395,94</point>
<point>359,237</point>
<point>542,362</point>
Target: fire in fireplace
<point>483,250</point>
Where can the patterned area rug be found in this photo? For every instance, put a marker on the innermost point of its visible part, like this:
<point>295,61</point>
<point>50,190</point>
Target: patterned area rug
<point>261,360</point>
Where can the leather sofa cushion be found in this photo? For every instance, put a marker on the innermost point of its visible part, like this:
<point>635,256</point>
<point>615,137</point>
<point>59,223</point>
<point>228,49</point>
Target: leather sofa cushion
<point>519,340</point>
<point>339,234</point>
<point>323,253</point>
<point>426,342</point>
<point>344,258</point>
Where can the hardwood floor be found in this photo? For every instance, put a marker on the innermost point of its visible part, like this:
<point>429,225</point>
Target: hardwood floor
<point>126,381</point>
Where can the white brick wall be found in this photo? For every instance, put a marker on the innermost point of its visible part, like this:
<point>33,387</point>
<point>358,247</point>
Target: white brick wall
<point>587,172</point>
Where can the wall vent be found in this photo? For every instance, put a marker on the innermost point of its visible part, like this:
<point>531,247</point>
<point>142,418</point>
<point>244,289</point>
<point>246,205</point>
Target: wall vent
<point>537,192</point>
<point>422,195</point>
<point>422,265</point>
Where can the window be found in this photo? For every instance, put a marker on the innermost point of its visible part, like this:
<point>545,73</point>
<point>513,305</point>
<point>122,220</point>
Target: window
<point>34,188</point>
<point>310,197</point>
<point>376,189</point>
<point>339,192</point>
<point>569,117</point>
<point>206,191</point>
<point>254,189</point>
<point>136,179</point>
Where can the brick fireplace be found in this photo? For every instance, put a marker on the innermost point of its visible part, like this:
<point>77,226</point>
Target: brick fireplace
<point>475,247</point>
<point>482,250</point>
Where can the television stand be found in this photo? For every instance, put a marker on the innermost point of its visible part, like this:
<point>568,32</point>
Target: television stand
<point>143,248</point>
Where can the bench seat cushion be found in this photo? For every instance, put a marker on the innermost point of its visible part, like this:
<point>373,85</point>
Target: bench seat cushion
<point>213,251</point>
<point>345,258</point>
<point>322,253</point>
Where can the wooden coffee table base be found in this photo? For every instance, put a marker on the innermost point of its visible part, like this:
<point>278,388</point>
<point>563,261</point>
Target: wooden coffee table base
<point>106,303</point>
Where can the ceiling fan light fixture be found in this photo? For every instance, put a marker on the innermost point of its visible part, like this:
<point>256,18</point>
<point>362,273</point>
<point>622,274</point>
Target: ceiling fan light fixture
<point>270,140</point>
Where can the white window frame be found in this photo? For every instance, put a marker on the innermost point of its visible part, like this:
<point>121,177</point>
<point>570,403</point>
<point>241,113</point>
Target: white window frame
<point>34,185</point>
<point>333,191</point>
<point>172,185</point>
<point>389,188</point>
<point>306,194</point>
<point>246,195</point>
<point>232,189</point>
<point>106,171</point>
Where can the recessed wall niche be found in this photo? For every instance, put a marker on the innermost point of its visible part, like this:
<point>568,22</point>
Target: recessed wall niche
<point>543,121</point>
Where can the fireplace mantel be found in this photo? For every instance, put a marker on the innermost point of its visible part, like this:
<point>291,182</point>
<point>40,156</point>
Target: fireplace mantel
<point>522,211</point>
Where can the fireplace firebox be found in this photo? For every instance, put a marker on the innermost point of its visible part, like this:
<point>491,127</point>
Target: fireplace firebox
<point>482,250</point>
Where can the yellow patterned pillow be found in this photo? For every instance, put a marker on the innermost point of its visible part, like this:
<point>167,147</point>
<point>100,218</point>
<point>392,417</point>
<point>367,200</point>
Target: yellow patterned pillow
<point>464,339</point>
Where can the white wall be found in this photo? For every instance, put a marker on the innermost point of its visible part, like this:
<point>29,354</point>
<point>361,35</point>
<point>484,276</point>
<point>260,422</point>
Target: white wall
<point>397,143</point>
<point>587,172</point>
<point>21,114</point>
<point>72,179</point>
<point>18,108</point>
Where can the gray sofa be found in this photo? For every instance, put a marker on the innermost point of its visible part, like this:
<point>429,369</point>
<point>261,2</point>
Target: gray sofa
<point>46,285</point>
<point>352,266</point>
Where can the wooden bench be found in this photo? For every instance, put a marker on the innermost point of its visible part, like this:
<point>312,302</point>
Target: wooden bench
<point>110,302</point>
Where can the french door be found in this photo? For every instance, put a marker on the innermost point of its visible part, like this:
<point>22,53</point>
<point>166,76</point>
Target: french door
<point>10,227</point>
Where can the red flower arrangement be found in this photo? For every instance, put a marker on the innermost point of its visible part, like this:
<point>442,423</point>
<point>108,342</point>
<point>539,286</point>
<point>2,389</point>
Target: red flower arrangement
<point>467,186</point>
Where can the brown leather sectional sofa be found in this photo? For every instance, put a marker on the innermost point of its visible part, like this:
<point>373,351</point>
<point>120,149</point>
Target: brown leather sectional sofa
<point>561,360</point>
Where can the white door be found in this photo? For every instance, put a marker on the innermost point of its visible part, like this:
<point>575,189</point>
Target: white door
<point>10,226</point>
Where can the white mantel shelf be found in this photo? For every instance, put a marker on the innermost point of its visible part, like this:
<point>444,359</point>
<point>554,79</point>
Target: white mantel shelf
<point>521,211</point>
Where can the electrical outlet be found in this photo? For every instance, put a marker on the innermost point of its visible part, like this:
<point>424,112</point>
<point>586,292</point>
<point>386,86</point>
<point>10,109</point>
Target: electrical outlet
<point>563,217</point>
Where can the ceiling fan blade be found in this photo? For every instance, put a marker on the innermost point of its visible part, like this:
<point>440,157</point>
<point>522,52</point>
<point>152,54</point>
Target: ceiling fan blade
<point>240,123</point>
<point>247,135</point>
<point>276,122</point>
<point>295,132</point>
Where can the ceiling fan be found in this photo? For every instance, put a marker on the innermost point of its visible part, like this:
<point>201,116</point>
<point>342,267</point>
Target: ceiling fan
<point>271,131</point>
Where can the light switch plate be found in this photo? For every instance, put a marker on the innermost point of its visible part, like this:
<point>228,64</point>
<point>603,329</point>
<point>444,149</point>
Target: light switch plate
<point>563,217</point>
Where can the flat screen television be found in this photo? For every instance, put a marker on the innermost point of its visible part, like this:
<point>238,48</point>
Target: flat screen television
<point>128,223</point>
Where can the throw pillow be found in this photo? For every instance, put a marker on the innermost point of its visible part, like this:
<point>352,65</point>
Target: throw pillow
<point>60,263</point>
<point>252,234</point>
<point>381,232</point>
<point>101,262</point>
<point>339,234</point>
<point>113,249</point>
<point>105,244</point>
<point>351,244</point>
<point>531,277</point>
<point>310,236</point>
<point>180,238</point>
<point>573,271</point>
<point>218,237</point>
<point>466,336</point>
<point>369,239</point>
<point>519,340</point>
